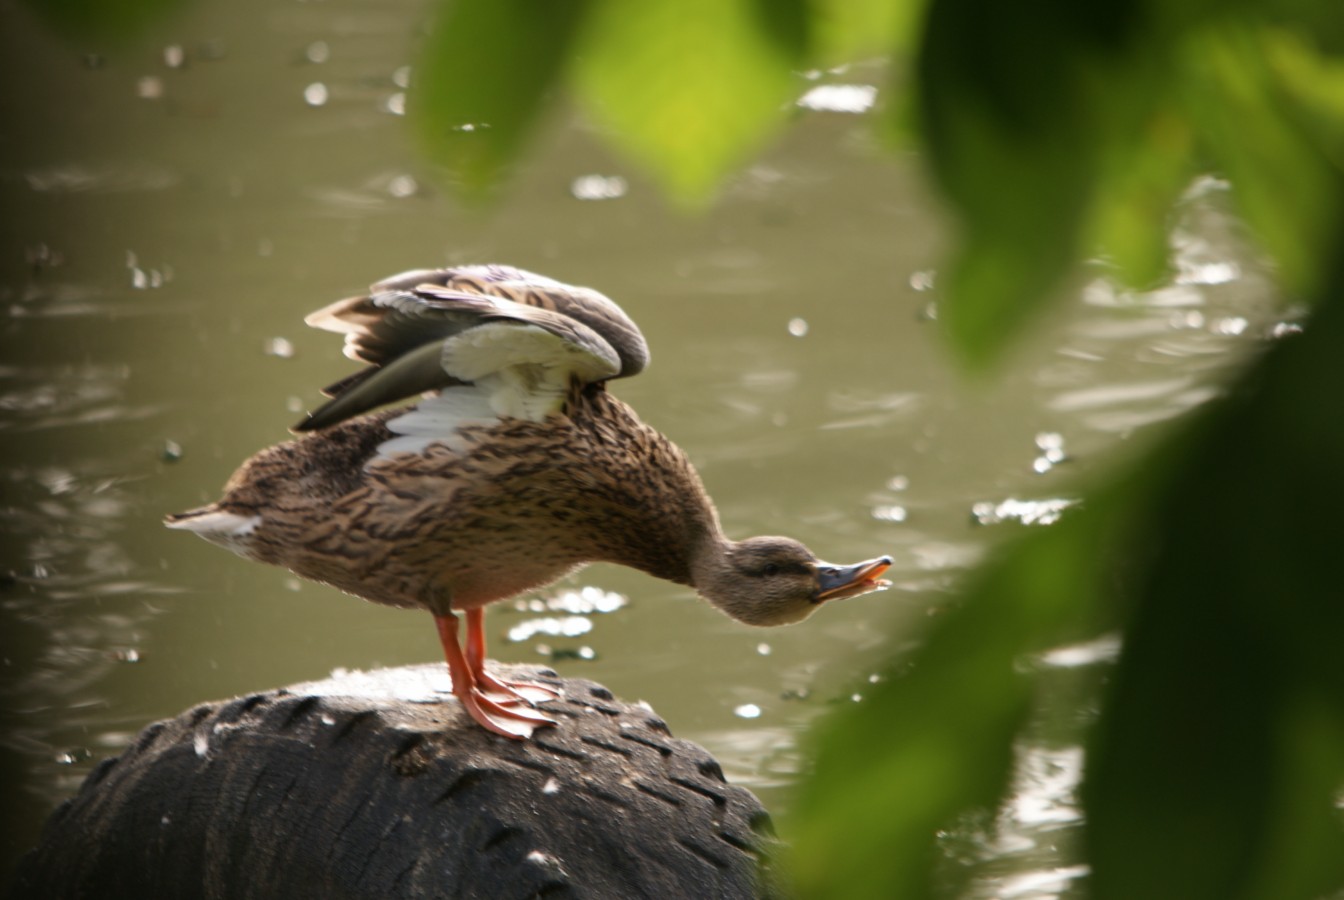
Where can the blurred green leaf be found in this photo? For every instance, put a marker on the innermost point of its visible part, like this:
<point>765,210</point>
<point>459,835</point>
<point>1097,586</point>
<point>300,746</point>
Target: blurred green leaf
<point>690,88</point>
<point>1142,176</point>
<point>847,30</point>
<point>1018,110</point>
<point>1218,756</point>
<point>1216,765</point>
<point>115,19</point>
<point>481,79</point>
<point>1317,21</point>
<point>1261,135</point>
<point>1300,842</point>
<point>1316,82</point>
<point>934,744</point>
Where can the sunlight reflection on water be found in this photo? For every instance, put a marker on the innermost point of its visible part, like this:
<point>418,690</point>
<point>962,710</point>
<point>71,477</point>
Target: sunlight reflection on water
<point>842,98</point>
<point>108,177</point>
<point>759,756</point>
<point>65,396</point>
<point>1035,826</point>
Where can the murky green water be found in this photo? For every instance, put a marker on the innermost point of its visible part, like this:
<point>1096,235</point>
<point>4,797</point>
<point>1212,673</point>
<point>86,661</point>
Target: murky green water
<point>174,207</point>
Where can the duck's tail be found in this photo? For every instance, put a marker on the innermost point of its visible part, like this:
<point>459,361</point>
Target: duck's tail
<point>218,526</point>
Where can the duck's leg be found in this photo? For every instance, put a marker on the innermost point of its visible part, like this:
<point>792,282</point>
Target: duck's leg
<point>506,691</point>
<point>511,722</point>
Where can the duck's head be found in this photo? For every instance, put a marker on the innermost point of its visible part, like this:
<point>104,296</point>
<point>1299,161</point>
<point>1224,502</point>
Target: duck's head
<point>777,580</point>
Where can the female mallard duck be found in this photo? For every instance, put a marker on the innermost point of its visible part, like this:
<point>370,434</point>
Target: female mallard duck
<point>518,468</point>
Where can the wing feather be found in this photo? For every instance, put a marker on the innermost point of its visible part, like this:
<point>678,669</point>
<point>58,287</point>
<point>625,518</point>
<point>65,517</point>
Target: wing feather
<point>520,337</point>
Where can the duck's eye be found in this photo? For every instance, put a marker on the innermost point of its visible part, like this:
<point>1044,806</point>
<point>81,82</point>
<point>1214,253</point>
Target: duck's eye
<point>770,570</point>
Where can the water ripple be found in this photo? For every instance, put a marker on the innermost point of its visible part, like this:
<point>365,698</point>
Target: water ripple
<point>61,396</point>
<point>102,177</point>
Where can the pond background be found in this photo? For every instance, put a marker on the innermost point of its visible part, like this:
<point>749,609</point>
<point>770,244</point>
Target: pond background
<point>175,205</point>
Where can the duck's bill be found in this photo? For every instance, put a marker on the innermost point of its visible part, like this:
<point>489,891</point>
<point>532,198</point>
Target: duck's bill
<point>839,582</point>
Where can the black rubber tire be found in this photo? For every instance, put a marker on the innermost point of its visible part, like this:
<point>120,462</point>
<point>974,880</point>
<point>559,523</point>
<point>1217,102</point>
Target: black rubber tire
<point>346,789</point>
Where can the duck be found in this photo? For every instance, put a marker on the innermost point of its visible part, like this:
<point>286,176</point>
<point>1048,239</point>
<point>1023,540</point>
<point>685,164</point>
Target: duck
<point>515,466</point>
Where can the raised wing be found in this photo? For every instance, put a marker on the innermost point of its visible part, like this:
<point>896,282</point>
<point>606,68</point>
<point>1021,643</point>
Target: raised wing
<point>519,336</point>
<point>379,331</point>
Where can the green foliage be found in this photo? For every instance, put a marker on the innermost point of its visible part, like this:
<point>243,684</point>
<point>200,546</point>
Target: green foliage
<point>934,741</point>
<point>1016,140</point>
<point>845,30</point>
<point>1216,761</point>
<point>689,88</point>
<point>481,80</point>
<point>1215,769</point>
<point>1076,147</point>
<point>1083,144</point>
<point>101,19</point>
<point>1252,94</point>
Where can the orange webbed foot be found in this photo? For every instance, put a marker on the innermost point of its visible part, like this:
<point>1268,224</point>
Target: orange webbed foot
<point>511,721</point>
<point>502,707</point>
<point>503,691</point>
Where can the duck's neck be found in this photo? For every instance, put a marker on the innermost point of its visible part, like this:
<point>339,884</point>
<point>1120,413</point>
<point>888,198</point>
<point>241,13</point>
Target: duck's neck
<point>707,562</point>
<point>656,515</point>
<point>691,561</point>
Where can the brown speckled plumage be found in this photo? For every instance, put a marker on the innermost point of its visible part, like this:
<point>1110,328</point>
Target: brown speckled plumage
<point>516,468</point>
<point>522,504</point>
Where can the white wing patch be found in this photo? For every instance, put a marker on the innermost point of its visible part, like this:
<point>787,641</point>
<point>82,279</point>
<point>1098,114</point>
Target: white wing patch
<point>497,346</point>
<point>516,370</point>
<point>437,419</point>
